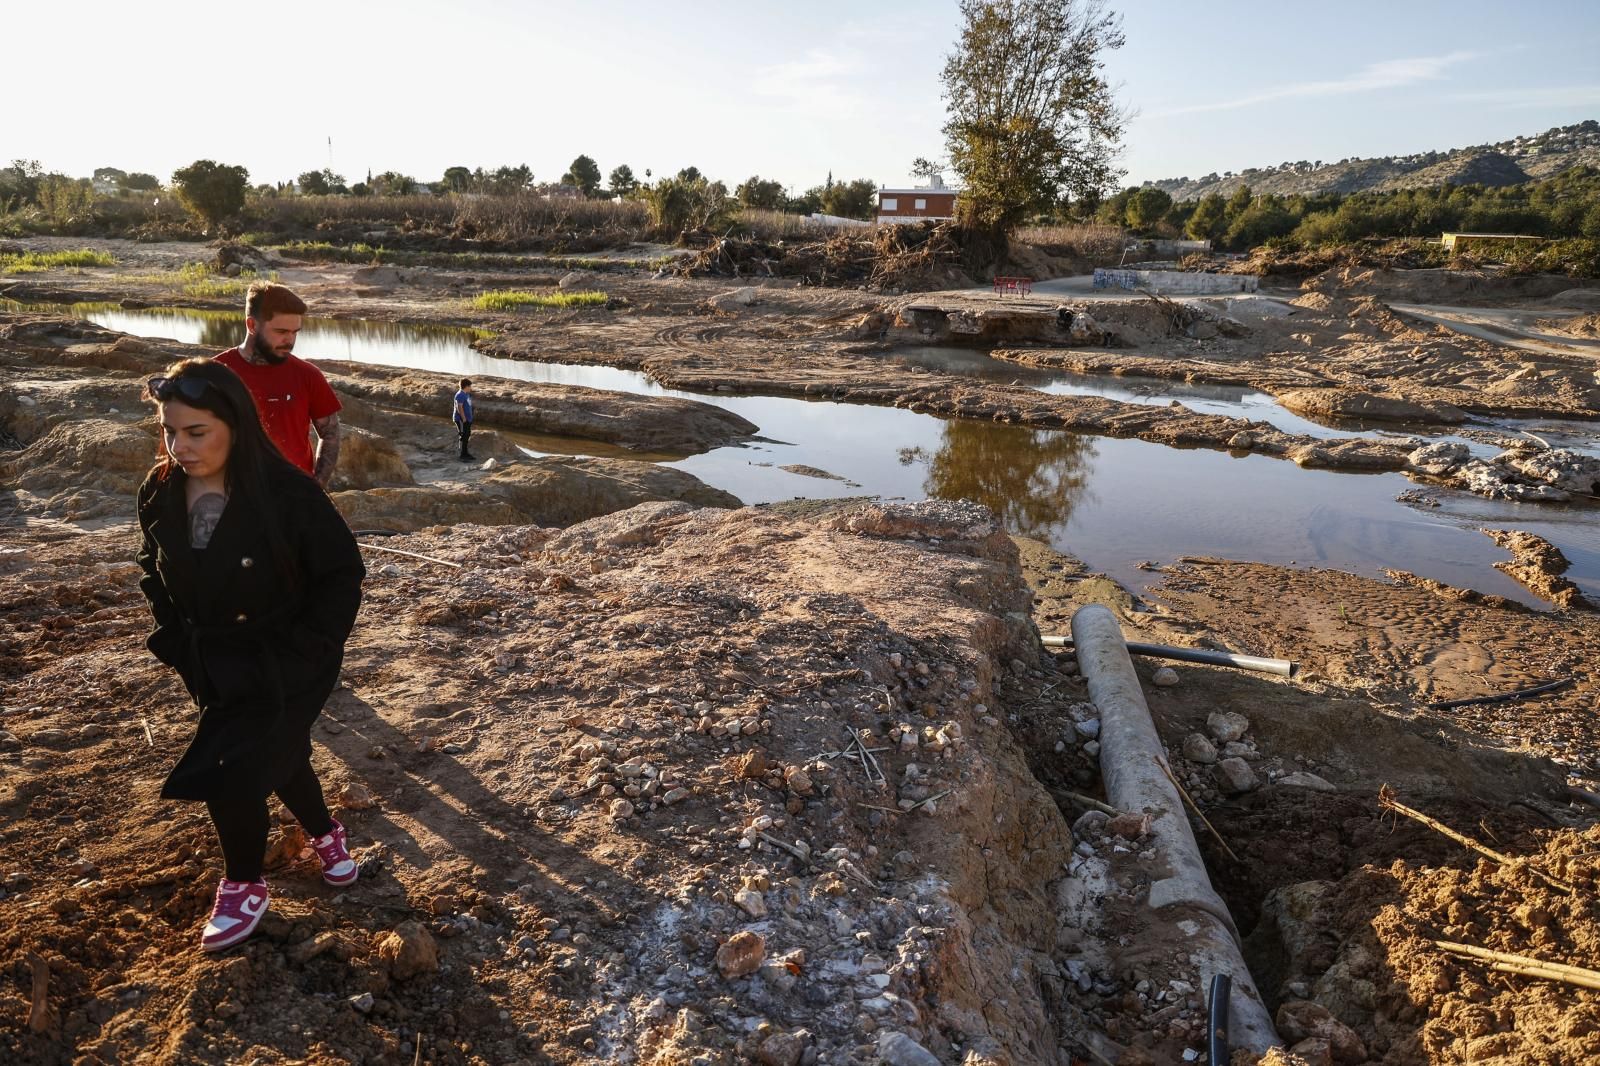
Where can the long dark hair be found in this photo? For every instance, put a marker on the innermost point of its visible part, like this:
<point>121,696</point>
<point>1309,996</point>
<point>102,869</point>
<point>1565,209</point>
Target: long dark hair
<point>253,460</point>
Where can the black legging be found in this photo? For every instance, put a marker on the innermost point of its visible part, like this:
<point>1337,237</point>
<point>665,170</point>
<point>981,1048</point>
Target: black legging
<point>242,823</point>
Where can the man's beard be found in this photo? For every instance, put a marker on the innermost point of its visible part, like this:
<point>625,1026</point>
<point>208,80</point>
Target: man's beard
<point>264,351</point>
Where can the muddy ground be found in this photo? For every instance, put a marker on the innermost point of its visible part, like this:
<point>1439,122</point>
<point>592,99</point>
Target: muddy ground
<point>602,779</point>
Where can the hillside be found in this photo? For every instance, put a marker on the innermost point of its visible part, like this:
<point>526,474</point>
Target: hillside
<point>1506,163</point>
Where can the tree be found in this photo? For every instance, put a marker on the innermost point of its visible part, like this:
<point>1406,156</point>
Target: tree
<point>689,174</point>
<point>1209,221</point>
<point>140,182</point>
<point>212,191</point>
<point>456,179</point>
<point>1031,115</point>
<point>585,174</point>
<point>508,180</point>
<point>851,199</point>
<point>321,183</point>
<point>111,174</point>
<point>1237,203</point>
<point>757,191</point>
<point>19,183</point>
<point>392,183</point>
<point>622,182</point>
<point>1147,206</point>
<point>677,205</point>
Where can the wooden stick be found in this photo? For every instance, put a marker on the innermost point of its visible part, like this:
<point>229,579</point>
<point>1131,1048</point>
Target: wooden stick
<point>413,555</point>
<point>39,1008</point>
<point>1525,965</point>
<point>149,738</point>
<point>1387,801</point>
<point>1193,806</point>
<point>1089,801</point>
<point>790,848</point>
<point>1456,948</point>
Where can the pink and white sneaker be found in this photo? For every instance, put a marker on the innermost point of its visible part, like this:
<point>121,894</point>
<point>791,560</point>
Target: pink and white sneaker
<point>338,868</point>
<point>238,910</point>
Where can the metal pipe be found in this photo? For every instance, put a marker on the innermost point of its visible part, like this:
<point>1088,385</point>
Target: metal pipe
<point>1129,752</point>
<point>1281,667</point>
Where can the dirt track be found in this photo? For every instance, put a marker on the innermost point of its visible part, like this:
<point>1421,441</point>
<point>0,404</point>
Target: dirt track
<point>510,745</point>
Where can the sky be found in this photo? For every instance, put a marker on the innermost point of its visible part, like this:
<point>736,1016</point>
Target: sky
<point>786,91</point>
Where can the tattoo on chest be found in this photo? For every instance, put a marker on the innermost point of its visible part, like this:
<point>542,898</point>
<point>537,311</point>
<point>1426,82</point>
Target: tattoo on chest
<point>203,516</point>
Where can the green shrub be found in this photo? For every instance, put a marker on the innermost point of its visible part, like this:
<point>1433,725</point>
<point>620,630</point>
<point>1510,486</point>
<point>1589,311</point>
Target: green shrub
<point>515,299</point>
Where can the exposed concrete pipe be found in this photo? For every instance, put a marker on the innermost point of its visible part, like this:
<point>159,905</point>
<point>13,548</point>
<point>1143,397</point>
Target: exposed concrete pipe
<point>1281,667</point>
<point>1129,749</point>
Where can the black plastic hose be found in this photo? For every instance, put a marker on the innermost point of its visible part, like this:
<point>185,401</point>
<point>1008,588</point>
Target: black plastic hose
<point>1217,1048</point>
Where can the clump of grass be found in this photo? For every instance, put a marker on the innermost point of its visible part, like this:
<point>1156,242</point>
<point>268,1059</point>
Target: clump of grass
<point>514,299</point>
<point>35,262</point>
<point>200,281</point>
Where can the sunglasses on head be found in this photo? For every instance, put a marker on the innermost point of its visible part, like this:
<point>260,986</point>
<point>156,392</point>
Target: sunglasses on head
<point>162,389</point>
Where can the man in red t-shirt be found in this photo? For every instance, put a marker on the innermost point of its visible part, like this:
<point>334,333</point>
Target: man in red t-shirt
<point>291,395</point>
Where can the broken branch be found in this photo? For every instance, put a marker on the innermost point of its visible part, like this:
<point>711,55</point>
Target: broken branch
<point>1386,800</point>
<point>1195,807</point>
<point>1524,964</point>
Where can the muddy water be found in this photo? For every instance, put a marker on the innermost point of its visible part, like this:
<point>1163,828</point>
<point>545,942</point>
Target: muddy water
<point>1111,502</point>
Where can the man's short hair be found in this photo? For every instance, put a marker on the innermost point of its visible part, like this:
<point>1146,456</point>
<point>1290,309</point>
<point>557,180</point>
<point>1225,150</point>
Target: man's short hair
<point>466,383</point>
<point>267,298</point>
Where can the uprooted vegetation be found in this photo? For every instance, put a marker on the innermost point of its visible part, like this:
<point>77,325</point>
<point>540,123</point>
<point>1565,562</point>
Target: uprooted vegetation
<point>907,257</point>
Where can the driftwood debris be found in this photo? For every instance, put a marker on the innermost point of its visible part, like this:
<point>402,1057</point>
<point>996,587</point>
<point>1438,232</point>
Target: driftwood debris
<point>1387,800</point>
<point>39,1005</point>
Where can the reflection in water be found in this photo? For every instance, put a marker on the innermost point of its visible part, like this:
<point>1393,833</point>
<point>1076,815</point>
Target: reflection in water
<point>1031,478</point>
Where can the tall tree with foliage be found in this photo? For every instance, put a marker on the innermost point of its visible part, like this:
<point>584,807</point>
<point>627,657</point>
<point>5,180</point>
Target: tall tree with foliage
<point>1148,206</point>
<point>584,173</point>
<point>1031,118</point>
<point>212,191</point>
<point>621,181</point>
<point>851,199</point>
<point>757,191</point>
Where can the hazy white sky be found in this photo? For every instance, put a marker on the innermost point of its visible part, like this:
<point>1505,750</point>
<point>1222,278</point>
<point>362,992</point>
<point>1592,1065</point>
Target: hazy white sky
<point>784,90</point>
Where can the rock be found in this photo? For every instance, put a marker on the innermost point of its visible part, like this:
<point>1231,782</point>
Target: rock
<point>1091,728</point>
<point>570,280</point>
<point>782,1049</point>
<point>362,1003</point>
<point>741,954</point>
<point>389,570</point>
<point>751,902</point>
<point>752,765</point>
<point>1165,677</point>
<point>1302,779</point>
<point>1129,826</point>
<point>408,951</point>
<point>1196,748</point>
<point>50,736</point>
<point>1561,468</point>
<point>1234,776</point>
<point>1242,440</point>
<point>798,780</point>
<point>9,741</point>
<point>621,808</point>
<point>1439,458</point>
<point>1304,1020</point>
<point>675,796</point>
<point>735,300</point>
<point>1227,725</point>
<point>1090,824</point>
<point>355,797</point>
<point>1313,1052</point>
<point>897,1049</point>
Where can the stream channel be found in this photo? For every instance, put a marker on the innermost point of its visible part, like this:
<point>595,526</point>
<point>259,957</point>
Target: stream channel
<point>1110,502</point>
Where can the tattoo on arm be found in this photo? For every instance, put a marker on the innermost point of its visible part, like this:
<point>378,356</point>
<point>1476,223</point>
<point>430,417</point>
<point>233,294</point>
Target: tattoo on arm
<point>327,448</point>
<point>203,517</point>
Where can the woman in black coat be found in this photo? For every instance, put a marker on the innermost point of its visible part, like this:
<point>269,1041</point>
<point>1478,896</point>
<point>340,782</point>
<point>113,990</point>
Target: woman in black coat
<point>254,580</point>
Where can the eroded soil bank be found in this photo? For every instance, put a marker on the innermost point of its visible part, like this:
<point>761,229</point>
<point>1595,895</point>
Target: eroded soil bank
<point>602,777</point>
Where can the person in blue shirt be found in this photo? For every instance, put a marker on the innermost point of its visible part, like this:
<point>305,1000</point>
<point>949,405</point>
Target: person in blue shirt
<point>461,415</point>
